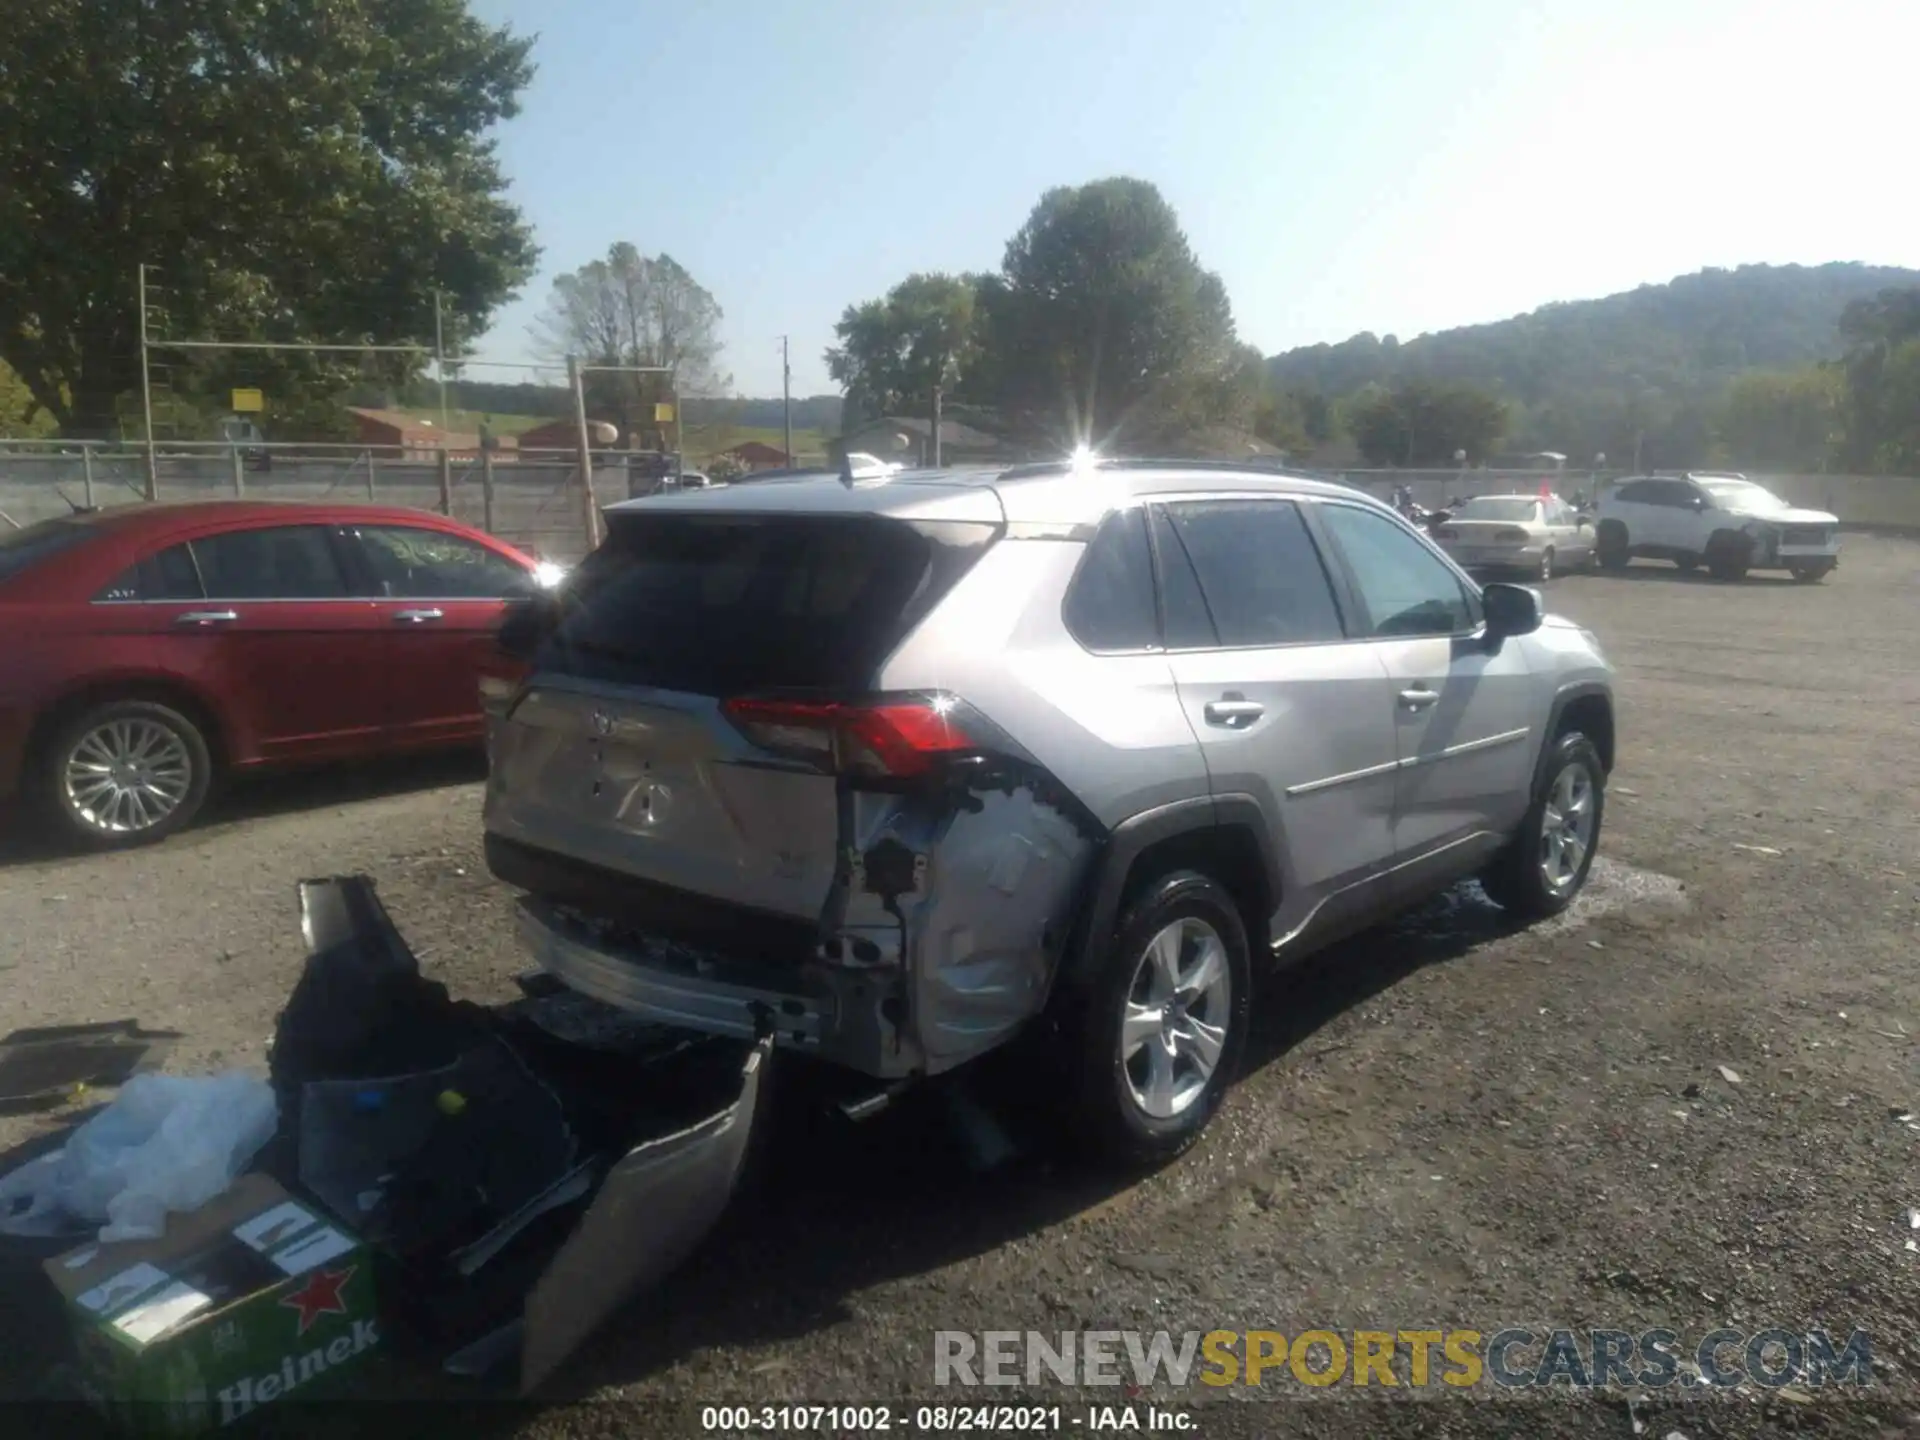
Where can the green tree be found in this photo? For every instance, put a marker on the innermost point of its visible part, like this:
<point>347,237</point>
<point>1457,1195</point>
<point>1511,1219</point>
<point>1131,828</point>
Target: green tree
<point>294,169</point>
<point>20,414</point>
<point>1424,424</point>
<point>893,351</point>
<point>635,310</point>
<point>1102,324</point>
<point>1783,420</point>
<point>1882,370</point>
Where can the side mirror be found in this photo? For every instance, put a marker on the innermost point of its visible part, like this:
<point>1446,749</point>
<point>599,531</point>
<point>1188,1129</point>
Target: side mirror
<point>1510,610</point>
<point>1699,502</point>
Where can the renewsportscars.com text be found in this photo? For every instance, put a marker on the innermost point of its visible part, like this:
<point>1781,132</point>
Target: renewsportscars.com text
<point>1512,1357</point>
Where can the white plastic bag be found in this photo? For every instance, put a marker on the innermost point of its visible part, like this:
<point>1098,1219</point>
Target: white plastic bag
<point>165,1144</point>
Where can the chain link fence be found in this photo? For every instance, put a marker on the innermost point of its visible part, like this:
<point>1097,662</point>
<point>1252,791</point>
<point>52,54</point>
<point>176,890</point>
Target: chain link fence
<point>532,501</point>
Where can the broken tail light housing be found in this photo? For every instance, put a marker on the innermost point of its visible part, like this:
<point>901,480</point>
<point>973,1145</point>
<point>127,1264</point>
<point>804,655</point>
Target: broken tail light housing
<point>899,736</point>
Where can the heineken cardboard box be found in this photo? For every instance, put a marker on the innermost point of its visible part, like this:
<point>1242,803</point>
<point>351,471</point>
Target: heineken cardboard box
<point>252,1299</point>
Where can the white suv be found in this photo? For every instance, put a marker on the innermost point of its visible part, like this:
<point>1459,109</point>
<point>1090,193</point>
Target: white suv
<point>1722,521</point>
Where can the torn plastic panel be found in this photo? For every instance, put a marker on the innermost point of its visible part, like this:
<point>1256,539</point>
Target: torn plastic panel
<point>632,1141</point>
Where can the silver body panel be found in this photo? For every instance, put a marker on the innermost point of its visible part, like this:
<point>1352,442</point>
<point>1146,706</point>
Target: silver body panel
<point>936,919</point>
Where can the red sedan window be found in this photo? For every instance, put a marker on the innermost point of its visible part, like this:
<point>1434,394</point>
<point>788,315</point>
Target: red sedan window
<point>408,562</point>
<point>170,575</point>
<point>286,562</point>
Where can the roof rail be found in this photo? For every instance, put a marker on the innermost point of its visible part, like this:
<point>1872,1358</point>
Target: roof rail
<point>1232,467</point>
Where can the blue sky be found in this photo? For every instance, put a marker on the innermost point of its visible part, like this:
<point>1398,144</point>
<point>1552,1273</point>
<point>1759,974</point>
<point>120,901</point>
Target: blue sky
<point>1377,165</point>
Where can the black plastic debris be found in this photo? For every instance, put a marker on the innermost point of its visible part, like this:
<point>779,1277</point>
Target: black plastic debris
<point>361,1008</point>
<point>425,1165</point>
<point>520,1172</point>
<point>44,1068</point>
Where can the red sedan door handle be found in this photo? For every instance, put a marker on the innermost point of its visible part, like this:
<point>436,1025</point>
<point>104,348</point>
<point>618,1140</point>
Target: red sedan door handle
<point>417,617</point>
<point>204,618</point>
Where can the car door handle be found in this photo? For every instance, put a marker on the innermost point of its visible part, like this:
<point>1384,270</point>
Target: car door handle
<point>206,617</point>
<point>417,617</point>
<point>1418,697</point>
<point>1234,713</point>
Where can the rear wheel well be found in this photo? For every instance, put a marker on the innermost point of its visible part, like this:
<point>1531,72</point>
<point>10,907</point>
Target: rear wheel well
<point>107,692</point>
<point>1592,716</point>
<point>1228,854</point>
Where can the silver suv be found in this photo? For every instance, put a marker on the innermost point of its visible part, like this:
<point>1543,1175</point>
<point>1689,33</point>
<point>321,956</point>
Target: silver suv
<point>897,767</point>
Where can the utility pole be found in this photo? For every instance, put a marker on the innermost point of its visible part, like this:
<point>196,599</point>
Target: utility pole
<point>146,393</point>
<point>786,402</point>
<point>936,428</point>
<point>440,366</point>
<point>583,445</point>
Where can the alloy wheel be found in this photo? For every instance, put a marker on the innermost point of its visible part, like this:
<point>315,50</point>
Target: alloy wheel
<point>126,775</point>
<point>1566,828</point>
<point>1174,1026</point>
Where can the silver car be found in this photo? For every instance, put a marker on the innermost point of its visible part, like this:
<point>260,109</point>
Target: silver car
<point>893,769</point>
<point>1533,535</point>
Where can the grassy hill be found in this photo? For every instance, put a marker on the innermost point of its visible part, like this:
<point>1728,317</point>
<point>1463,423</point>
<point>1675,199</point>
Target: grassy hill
<point>1645,368</point>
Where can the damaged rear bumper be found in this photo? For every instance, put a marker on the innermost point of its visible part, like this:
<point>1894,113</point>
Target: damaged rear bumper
<point>939,939</point>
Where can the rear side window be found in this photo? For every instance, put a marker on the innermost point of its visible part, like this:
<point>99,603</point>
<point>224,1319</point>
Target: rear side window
<point>1109,605</point>
<point>169,575</point>
<point>1259,576</point>
<point>20,550</point>
<point>723,604</point>
<point>284,562</point>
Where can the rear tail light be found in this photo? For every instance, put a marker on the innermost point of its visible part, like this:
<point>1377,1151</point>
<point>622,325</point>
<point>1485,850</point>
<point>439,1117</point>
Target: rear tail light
<point>899,737</point>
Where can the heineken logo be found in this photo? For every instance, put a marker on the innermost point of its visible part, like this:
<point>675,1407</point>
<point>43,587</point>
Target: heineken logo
<point>319,1296</point>
<point>295,1371</point>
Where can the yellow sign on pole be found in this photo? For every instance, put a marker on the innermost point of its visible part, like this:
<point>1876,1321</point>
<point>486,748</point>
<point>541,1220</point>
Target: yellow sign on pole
<point>663,413</point>
<point>248,400</point>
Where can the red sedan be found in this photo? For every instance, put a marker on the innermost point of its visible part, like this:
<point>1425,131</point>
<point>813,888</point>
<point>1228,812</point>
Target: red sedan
<point>148,650</point>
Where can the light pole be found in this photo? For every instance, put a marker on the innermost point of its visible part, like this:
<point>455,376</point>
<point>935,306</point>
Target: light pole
<point>786,403</point>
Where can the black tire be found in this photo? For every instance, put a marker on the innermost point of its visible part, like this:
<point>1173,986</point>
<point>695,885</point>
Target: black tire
<point>73,822</point>
<point>1516,880</point>
<point>1686,564</point>
<point>1729,554</point>
<point>1610,549</point>
<point>1811,574</point>
<point>1105,1119</point>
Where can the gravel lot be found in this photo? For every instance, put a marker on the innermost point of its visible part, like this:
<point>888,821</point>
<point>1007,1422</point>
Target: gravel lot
<point>1444,1125</point>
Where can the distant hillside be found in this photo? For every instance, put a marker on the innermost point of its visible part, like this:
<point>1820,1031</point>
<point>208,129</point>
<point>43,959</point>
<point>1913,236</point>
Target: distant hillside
<point>1645,368</point>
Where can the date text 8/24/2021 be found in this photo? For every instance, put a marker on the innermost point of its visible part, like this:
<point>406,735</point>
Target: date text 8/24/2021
<point>940,1419</point>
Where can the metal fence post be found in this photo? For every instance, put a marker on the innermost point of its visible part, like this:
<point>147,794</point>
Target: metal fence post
<point>486,491</point>
<point>370,464</point>
<point>86,473</point>
<point>239,471</point>
<point>446,482</point>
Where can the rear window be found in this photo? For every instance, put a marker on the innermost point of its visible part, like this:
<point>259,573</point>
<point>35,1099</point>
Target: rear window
<point>722,605</point>
<point>21,550</point>
<point>1498,507</point>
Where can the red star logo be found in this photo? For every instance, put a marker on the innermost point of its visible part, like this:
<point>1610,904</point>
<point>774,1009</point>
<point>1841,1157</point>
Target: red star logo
<point>321,1296</point>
